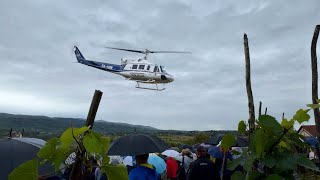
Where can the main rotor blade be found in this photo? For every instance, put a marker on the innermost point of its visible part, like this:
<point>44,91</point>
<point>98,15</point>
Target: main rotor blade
<point>130,50</point>
<point>170,52</point>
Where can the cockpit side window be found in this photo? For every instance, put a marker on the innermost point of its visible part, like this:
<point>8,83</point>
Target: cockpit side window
<point>156,69</point>
<point>141,66</point>
<point>134,66</point>
<point>148,68</point>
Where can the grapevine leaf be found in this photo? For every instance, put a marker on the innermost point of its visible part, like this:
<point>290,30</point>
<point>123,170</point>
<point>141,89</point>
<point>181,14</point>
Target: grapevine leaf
<point>307,163</point>
<point>270,123</point>
<point>67,136</point>
<point>274,177</point>
<point>242,127</point>
<point>228,140</point>
<point>287,124</point>
<point>313,106</point>
<point>301,116</point>
<point>260,141</point>
<point>48,150</point>
<point>116,172</point>
<point>231,165</point>
<point>26,171</point>
<point>269,161</point>
<point>247,165</point>
<point>238,176</point>
<point>92,143</point>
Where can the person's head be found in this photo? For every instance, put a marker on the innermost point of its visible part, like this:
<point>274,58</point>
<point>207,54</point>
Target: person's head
<point>142,159</point>
<point>186,152</point>
<point>201,151</point>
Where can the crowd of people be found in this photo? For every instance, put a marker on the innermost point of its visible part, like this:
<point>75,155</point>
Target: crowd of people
<point>187,166</point>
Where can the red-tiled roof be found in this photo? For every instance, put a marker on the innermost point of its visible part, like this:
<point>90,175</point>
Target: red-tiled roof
<point>310,128</point>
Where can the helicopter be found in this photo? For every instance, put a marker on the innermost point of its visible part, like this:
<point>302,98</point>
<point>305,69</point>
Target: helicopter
<point>139,70</point>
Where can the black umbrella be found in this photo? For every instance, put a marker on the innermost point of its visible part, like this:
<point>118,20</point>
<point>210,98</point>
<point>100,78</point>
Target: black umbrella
<point>15,151</point>
<point>136,144</point>
<point>186,146</point>
<point>241,141</point>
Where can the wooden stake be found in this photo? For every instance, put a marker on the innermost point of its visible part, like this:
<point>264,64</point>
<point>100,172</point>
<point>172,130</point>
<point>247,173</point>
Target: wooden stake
<point>314,69</point>
<point>248,85</point>
<point>260,106</point>
<point>265,112</point>
<point>76,172</point>
<point>282,115</point>
<point>93,108</point>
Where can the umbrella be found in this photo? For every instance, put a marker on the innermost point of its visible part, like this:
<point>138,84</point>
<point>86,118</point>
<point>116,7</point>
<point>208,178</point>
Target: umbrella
<point>174,148</point>
<point>312,141</point>
<point>136,144</point>
<point>186,146</point>
<point>15,151</point>
<point>170,153</point>
<point>241,141</point>
<point>158,163</point>
<point>153,159</point>
<point>215,152</point>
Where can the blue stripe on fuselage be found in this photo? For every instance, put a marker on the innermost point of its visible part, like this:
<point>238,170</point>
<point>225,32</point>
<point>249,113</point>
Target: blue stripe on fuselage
<point>103,66</point>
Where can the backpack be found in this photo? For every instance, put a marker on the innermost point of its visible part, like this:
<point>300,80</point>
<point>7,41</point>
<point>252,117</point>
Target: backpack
<point>181,173</point>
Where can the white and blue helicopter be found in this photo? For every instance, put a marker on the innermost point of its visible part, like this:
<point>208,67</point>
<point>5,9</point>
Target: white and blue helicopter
<point>139,70</point>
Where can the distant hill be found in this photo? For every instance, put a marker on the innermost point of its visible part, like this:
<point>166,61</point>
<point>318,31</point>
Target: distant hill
<point>46,126</point>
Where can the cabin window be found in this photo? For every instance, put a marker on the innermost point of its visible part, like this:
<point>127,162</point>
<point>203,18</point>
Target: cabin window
<point>141,67</point>
<point>134,66</point>
<point>148,68</point>
<point>156,69</point>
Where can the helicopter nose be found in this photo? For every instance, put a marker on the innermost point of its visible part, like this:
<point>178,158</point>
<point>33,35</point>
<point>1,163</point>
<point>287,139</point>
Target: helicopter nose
<point>170,78</point>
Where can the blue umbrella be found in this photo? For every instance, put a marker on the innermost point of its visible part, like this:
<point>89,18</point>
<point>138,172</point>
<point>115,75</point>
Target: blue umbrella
<point>158,163</point>
<point>215,152</point>
<point>311,141</point>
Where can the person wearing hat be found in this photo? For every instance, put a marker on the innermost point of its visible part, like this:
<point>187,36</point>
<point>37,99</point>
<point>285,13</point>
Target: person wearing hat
<point>202,168</point>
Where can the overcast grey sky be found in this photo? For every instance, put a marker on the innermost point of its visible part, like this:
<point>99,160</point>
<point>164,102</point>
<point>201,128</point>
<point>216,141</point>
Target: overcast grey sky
<point>38,75</point>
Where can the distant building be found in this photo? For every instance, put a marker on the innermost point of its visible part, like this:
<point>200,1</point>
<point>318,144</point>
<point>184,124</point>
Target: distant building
<point>308,131</point>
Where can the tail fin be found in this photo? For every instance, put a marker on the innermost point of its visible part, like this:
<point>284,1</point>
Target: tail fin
<point>78,54</point>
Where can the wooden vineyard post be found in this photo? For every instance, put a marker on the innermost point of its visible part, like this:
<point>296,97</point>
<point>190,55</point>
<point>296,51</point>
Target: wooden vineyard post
<point>314,69</point>
<point>93,108</point>
<point>266,111</point>
<point>260,106</point>
<point>76,169</point>
<point>248,86</point>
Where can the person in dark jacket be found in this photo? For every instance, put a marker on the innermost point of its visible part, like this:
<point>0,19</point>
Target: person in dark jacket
<point>143,171</point>
<point>202,168</point>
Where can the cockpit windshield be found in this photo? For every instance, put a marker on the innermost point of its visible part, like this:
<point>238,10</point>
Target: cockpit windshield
<point>162,69</point>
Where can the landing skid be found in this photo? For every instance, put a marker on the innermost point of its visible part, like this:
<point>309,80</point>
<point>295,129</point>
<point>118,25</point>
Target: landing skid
<point>155,89</point>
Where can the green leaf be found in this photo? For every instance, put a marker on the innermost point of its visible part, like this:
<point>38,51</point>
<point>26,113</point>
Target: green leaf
<point>92,143</point>
<point>116,172</point>
<point>304,161</point>
<point>318,100</point>
<point>242,127</point>
<point>269,123</point>
<point>285,145</point>
<point>238,176</point>
<point>67,136</point>
<point>260,142</point>
<point>228,140</point>
<point>26,171</point>
<point>287,124</point>
<point>269,161</point>
<point>231,165</point>
<point>301,116</point>
<point>313,106</point>
<point>274,177</point>
<point>48,150</point>
<point>247,165</point>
